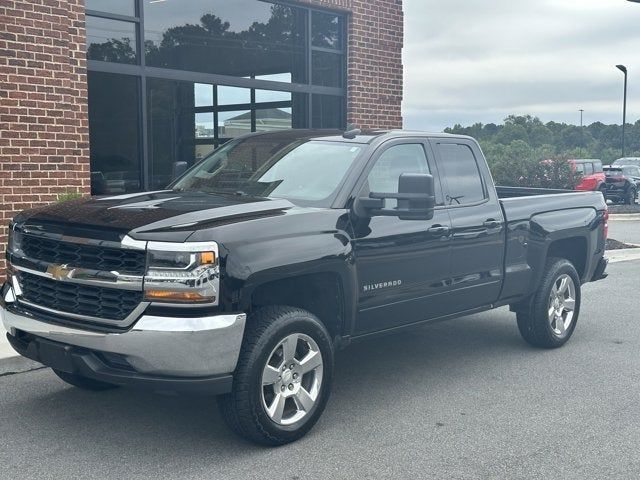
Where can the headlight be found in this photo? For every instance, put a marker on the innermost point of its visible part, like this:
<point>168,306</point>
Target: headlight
<point>182,273</point>
<point>14,243</point>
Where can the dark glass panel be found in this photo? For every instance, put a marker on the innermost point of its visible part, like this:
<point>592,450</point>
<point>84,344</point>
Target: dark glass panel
<point>172,127</point>
<point>114,128</point>
<point>326,30</point>
<point>243,38</point>
<point>111,40</point>
<point>328,112</point>
<point>119,7</point>
<point>327,69</point>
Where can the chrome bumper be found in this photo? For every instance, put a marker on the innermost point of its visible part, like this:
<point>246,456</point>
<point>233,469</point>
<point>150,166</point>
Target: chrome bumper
<point>155,346</point>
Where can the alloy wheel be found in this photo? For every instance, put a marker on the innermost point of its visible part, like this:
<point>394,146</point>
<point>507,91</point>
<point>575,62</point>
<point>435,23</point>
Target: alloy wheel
<point>291,379</point>
<point>562,304</point>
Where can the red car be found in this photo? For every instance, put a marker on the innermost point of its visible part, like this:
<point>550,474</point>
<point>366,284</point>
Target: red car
<point>593,177</point>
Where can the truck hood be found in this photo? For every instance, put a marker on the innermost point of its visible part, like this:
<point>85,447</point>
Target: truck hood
<point>164,215</point>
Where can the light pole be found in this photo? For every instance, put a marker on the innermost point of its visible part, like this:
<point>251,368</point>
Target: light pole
<point>582,110</point>
<point>623,69</point>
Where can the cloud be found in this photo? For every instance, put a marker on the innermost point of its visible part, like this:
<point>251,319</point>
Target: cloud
<point>474,60</point>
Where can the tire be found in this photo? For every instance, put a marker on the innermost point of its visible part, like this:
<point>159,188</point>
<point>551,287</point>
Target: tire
<point>630,198</point>
<point>251,409</point>
<point>538,325</point>
<point>84,383</point>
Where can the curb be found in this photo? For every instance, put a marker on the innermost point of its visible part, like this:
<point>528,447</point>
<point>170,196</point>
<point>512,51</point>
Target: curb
<point>624,217</point>
<point>622,255</point>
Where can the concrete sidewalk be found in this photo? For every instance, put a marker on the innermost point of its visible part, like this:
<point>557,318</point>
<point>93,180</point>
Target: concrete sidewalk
<point>5,349</point>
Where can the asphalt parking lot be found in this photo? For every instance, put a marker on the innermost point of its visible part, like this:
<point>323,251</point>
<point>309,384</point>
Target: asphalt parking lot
<point>461,399</point>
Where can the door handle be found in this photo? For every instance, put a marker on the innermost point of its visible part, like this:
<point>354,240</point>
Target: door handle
<point>439,230</point>
<point>492,223</point>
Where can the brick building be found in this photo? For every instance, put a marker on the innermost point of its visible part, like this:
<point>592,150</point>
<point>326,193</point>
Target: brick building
<point>106,97</point>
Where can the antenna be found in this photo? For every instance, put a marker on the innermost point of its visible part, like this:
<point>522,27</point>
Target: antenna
<point>351,132</point>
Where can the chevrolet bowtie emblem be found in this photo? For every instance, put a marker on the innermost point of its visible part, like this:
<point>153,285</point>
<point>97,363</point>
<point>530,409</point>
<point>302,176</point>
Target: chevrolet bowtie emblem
<point>59,272</point>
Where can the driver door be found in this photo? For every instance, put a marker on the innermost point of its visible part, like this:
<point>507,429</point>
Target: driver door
<point>403,266</point>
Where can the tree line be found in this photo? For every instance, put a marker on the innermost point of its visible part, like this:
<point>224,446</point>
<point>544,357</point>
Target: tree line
<point>524,151</point>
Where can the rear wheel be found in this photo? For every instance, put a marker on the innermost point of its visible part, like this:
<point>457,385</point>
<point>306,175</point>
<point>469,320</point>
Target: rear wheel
<point>550,318</point>
<point>283,378</point>
<point>84,383</point>
<point>630,199</point>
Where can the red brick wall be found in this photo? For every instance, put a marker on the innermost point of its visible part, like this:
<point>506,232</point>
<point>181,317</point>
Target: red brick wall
<point>376,32</point>
<point>375,63</point>
<point>44,134</point>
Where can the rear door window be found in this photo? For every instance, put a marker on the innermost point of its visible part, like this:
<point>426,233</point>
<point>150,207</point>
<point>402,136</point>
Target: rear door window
<point>460,169</point>
<point>597,167</point>
<point>588,169</point>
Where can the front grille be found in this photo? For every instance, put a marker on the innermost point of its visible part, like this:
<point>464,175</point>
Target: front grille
<point>100,302</point>
<point>84,256</point>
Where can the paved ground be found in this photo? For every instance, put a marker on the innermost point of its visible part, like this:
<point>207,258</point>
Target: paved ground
<point>627,231</point>
<point>460,399</point>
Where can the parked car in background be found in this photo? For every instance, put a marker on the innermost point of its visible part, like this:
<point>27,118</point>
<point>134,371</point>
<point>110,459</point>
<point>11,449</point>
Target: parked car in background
<point>623,183</point>
<point>593,178</point>
<point>627,161</point>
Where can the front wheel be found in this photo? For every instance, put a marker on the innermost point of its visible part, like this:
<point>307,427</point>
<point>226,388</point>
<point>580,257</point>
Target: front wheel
<point>550,318</point>
<point>283,378</point>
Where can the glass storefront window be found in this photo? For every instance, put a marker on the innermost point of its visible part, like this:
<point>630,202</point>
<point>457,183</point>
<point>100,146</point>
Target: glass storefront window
<point>270,119</point>
<point>118,7</point>
<point>327,69</point>
<point>243,38</point>
<point>203,94</point>
<point>326,30</point>
<point>233,124</point>
<point>111,40</point>
<point>114,130</point>
<point>223,44</point>
<point>233,95</point>
<point>327,112</point>
<point>263,96</point>
<point>205,125</point>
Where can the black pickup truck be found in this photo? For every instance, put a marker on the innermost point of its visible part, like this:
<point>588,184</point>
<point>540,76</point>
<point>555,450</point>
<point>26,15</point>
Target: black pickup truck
<point>244,276</point>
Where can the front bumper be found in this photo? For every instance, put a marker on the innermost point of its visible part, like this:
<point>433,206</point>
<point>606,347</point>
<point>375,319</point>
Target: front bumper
<point>161,353</point>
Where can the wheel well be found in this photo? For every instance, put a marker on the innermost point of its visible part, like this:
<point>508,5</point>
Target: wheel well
<point>573,249</point>
<point>321,294</point>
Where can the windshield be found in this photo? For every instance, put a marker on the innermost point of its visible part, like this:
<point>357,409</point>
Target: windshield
<point>263,166</point>
<point>613,172</point>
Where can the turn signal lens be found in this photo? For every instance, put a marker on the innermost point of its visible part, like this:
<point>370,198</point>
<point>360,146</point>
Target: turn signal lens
<point>169,296</point>
<point>207,258</point>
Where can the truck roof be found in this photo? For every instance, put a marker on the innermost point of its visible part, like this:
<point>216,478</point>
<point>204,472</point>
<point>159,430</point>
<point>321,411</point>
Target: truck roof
<point>362,137</point>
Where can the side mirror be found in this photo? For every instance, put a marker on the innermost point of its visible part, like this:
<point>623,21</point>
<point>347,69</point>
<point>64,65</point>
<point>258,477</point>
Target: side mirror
<point>178,169</point>
<point>416,199</point>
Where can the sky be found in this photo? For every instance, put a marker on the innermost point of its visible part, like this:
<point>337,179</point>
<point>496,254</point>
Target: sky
<point>469,61</point>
